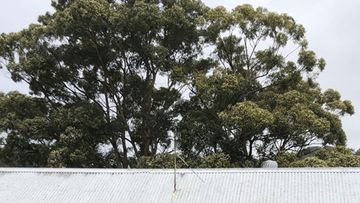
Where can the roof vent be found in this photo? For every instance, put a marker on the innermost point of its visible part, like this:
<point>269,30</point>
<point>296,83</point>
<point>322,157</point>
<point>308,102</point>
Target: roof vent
<point>269,164</point>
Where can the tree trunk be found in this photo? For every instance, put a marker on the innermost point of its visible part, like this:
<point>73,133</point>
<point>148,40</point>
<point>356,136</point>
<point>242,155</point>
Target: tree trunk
<point>147,103</point>
<point>116,152</point>
<point>244,148</point>
<point>124,158</point>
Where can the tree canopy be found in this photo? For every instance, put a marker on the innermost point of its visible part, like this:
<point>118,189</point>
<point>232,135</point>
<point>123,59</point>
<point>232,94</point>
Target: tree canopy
<point>113,82</point>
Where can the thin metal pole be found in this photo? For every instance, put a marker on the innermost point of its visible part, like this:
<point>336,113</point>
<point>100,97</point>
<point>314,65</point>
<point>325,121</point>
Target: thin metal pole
<point>175,153</point>
<point>173,199</point>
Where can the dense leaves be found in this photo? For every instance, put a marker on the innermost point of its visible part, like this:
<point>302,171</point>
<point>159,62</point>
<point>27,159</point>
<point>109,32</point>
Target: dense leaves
<point>37,135</point>
<point>255,102</point>
<point>321,157</point>
<point>112,82</point>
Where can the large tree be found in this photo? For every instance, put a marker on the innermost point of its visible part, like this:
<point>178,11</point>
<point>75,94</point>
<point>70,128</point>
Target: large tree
<point>118,78</point>
<point>261,94</point>
<point>111,54</point>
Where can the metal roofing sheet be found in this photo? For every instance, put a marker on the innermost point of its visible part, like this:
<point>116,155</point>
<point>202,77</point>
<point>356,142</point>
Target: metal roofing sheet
<point>200,185</point>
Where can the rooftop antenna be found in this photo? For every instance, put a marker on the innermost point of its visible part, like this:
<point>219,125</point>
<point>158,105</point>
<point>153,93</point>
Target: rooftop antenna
<point>175,155</point>
<point>181,159</point>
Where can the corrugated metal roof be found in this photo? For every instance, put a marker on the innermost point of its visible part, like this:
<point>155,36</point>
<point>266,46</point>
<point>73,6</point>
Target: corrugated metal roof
<point>156,185</point>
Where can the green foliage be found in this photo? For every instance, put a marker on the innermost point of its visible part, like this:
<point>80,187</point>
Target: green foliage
<point>309,162</point>
<point>339,157</point>
<point>216,160</point>
<point>285,159</point>
<point>164,160</point>
<point>109,54</point>
<point>255,99</point>
<point>39,136</point>
<point>23,119</point>
<point>325,157</point>
<point>248,164</point>
<point>248,117</point>
<point>110,80</point>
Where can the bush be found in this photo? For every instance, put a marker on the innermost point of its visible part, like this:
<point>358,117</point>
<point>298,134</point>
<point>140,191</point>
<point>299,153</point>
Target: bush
<point>285,159</point>
<point>309,162</point>
<point>215,160</point>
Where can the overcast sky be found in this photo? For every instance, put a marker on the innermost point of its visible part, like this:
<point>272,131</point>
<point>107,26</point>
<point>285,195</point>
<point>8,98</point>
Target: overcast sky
<point>333,32</point>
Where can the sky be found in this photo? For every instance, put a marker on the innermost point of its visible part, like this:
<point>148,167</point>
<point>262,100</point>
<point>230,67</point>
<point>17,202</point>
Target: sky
<point>333,32</point>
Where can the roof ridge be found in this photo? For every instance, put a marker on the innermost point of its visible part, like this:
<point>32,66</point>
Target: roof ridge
<point>180,171</point>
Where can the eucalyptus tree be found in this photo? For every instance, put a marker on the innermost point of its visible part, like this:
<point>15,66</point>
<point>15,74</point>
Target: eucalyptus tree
<point>261,94</point>
<point>119,77</point>
<point>111,54</point>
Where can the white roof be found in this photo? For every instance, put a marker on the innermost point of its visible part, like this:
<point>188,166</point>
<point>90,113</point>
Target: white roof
<point>200,185</point>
